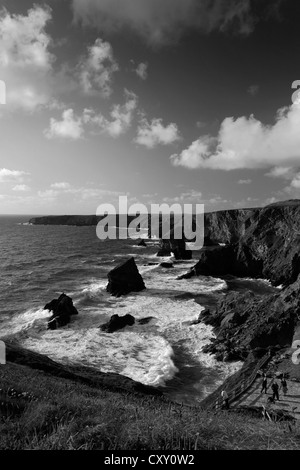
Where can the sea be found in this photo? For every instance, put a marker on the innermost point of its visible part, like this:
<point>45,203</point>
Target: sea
<point>39,262</point>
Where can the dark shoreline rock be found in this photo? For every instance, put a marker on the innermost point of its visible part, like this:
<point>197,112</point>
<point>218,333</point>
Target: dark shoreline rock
<point>116,323</point>
<point>166,265</point>
<point>246,322</point>
<point>124,279</point>
<point>177,247</point>
<point>62,309</point>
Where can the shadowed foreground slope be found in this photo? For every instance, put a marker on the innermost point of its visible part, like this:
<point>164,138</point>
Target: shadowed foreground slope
<point>70,414</point>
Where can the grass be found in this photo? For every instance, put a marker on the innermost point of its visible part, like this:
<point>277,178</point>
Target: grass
<point>69,415</point>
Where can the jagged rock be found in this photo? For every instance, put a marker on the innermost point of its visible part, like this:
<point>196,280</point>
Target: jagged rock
<point>177,247</point>
<point>62,309</point>
<point>249,322</point>
<point>165,249</point>
<point>204,314</point>
<point>144,321</point>
<point>125,278</point>
<point>167,265</point>
<point>116,323</point>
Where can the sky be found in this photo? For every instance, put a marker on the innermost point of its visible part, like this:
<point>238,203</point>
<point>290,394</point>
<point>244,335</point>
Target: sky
<point>180,101</point>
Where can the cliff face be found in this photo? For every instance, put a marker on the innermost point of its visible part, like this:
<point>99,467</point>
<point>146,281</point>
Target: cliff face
<point>262,243</point>
<point>227,226</point>
<point>247,322</point>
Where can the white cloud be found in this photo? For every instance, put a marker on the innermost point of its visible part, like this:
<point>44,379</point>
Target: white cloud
<point>70,127</point>
<point>9,176</point>
<point>96,70</point>
<point>244,181</point>
<point>73,126</point>
<point>62,185</point>
<point>121,117</point>
<point>295,183</point>
<point>160,22</point>
<point>191,156</point>
<point>190,196</point>
<point>62,190</point>
<point>21,188</point>
<point>247,143</point>
<point>48,194</point>
<point>142,70</point>
<point>154,133</point>
<point>25,60</point>
<point>281,172</point>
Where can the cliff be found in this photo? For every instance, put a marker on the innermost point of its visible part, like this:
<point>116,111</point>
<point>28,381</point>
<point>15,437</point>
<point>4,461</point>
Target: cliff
<point>248,322</point>
<point>260,243</point>
<point>78,220</point>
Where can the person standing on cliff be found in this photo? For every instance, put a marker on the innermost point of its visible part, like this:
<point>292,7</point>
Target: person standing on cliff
<point>275,388</point>
<point>225,398</point>
<point>264,384</point>
<point>284,385</point>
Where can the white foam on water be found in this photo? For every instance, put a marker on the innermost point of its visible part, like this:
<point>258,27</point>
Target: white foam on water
<point>142,352</point>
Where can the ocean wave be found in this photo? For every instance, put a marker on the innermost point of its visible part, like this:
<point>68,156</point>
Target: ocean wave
<point>143,352</point>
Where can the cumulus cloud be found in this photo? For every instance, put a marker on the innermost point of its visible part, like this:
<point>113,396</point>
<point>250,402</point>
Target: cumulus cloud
<point>8,176</point>
<point>62,185</point>
<point>154,133</point>
<point>142,70</point>
<point>160,22</point>
<point>246,142</point>
<point>295,183</point>
<point>73,126</point>
<point>21,188</point>
<point>70,126</point>
<point>25,58</point>
<point>290,174</point>
<point>97,68</point>
<point>78,194</point>
<point>120,117</point>
<point>281,172</point>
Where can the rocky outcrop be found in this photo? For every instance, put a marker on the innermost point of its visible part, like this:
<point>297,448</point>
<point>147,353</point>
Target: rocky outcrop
<point>226,226</point>
<point>77,220</point>
<point>177,247</point>
<point>142,243</point>
<point>62,309</point>
<point>116,323</point>
<point>124,279</point>
<point>264,243</point>
<point>166,265</point>
<point>247,322</point>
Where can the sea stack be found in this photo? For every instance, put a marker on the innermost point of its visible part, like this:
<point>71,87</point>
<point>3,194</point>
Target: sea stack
<point>125,278</point>
<point>177,247</point>
<point>116,323</point>
<point>62,309</point>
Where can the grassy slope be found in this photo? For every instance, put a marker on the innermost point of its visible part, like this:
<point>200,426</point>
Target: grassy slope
<point>70,414</point>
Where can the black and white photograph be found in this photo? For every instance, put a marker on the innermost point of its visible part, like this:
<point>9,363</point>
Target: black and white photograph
<point>149,228</point>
